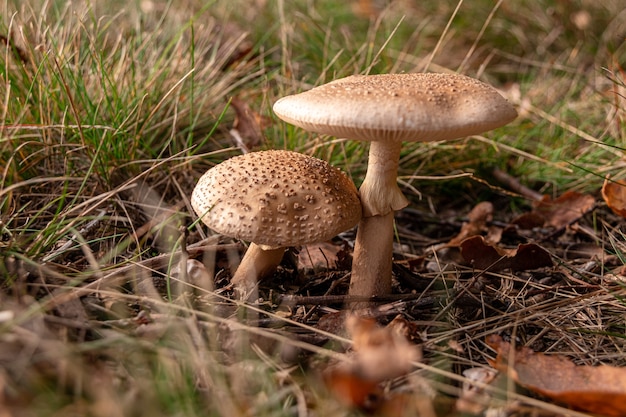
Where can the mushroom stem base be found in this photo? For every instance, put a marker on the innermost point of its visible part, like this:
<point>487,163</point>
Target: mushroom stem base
<point>371,264</point>
<point>256,264</point>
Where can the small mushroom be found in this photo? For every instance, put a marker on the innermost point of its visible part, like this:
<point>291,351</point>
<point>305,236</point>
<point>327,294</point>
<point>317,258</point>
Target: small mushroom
<point>274,199</point>
<point>386,110</point>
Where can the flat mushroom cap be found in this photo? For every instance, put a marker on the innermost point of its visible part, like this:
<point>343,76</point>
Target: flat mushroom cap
<point>398,107</point>
<point>276,199</point>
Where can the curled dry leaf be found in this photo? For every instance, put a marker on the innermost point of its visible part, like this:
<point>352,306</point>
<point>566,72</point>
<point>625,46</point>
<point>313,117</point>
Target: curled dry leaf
<point>350,389</point>
<point>482,255</point>
<point>379,354</point>
<point>565,209</point>
<point>557,213</point>
<point>318,256</point>
<point>477,220</point>
<point>477,224</point>
<point>596,389</point>
<point>614,194</point>
<point>248,125</point>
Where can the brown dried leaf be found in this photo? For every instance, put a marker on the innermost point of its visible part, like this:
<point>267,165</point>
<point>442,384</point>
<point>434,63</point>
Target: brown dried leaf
<point>585,251</point>
<point>529,221</point>
<point>248,124</point>
<point>334,323</point>
<point>380,353</point>
<point>317,256</point>
<point>477,218</point>
<point>557,213</point>
<point>596,389</point>
<point>565,209</point>
<point>482,255</point>
<point>614,194</point>
<point>350,389</point>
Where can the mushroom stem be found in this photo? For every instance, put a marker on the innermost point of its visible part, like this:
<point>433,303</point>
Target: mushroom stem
<point>379,191</point>
<point>380,197</point>
<point>255,264</point>
<point>371,264</point>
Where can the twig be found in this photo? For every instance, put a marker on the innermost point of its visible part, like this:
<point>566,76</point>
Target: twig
<point>515,185</point>
<point>338,299</point>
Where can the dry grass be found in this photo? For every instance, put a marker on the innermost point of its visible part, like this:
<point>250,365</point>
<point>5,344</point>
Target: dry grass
<point>111,111</point>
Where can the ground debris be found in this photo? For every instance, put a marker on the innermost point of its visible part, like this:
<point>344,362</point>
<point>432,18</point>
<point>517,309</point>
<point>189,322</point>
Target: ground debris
<point>597,389</point>
<point>482,255</point>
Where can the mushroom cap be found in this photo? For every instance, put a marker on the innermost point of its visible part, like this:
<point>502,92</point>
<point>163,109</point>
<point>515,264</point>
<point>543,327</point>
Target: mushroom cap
<point>277,199</point>
<point>398,107</point>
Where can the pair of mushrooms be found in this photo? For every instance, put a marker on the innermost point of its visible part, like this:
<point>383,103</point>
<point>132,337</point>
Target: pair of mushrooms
<point>385,110</point>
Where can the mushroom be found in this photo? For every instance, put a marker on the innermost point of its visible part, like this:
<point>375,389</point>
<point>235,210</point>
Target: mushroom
<point>274,199</point>
<point>386,110</point>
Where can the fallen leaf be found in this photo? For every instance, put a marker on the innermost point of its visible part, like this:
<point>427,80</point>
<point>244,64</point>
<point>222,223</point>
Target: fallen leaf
<point>334,323</point>
<point>482,255</point>
<point>248,125</point>
<point>318,256</point>
<point>557,213</point>
<point>565,209</point>
<point>614,194</point>
<point>379,354</point>
<point>406,328</point>
<point>477,220</point>
<point>585,251</point>
<point>406,404</point>
<point>529,221</point>
<point>597,389</point>
<point>351,389</point>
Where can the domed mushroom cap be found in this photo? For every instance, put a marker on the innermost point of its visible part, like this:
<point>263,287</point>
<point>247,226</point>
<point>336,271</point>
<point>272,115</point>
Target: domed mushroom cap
<point>276,199</point>
<point>398,107</point>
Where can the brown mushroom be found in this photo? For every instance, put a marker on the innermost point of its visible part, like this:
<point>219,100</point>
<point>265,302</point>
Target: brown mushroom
<point>386,110</point>
<point>274,199</point>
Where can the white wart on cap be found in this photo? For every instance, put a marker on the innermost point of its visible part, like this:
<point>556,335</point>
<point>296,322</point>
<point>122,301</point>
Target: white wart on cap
<point>275,199</point>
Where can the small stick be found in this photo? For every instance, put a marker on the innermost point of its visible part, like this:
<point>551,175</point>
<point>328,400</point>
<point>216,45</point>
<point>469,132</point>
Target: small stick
<point>515,185</point>
<point>337,299</point>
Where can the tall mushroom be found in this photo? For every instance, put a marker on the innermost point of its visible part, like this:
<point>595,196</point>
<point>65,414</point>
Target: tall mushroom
<point>386,110</point>
<point>274,199</point>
